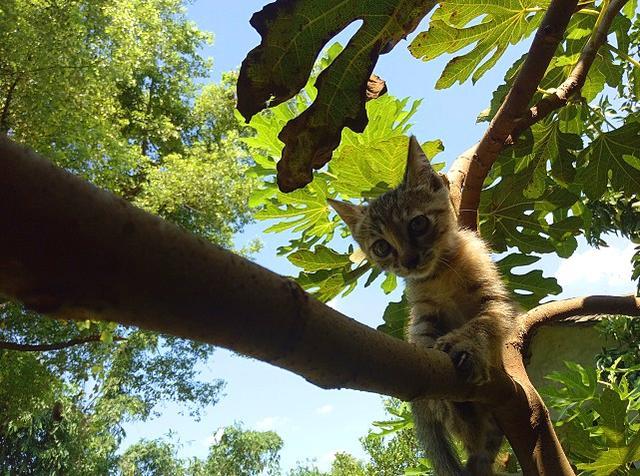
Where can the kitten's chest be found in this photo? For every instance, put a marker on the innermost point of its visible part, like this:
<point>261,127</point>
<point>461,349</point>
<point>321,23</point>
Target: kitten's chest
<point>437,307</point>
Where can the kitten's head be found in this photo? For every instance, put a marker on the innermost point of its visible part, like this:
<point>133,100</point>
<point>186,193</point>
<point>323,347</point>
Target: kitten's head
<point>409,229</point>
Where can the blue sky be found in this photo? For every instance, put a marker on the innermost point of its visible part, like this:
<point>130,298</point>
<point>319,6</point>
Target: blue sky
<point>315,423</point>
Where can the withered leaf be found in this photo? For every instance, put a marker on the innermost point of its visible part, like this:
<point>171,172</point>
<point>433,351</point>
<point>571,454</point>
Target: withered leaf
<point>293,34</point>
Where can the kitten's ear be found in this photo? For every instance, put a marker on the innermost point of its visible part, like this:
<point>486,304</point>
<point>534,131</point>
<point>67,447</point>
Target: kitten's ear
<point>350,214</point>
<point>419,171</point>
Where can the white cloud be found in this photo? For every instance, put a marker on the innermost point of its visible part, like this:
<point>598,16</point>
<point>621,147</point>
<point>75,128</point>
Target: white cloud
<point>213,439</point>
<point>326,460</point>
<point>271,423</point>
<point>610,266</point>
<point>324,409</point>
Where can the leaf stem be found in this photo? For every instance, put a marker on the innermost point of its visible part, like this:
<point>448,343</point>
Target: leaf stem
<point>623,55</point>
<point>589,11</point>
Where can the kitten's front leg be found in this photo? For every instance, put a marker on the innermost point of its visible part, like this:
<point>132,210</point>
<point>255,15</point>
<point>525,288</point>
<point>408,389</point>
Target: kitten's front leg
<point>476,346</point>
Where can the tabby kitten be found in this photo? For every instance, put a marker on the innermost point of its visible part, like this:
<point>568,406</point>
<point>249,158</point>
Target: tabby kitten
<point>458,303</point>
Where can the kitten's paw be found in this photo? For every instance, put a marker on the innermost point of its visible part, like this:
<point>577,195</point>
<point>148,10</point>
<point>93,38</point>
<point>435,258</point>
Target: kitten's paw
<point>466,357</point>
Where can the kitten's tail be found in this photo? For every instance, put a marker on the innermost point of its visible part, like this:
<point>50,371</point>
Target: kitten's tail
<point>439,449</point>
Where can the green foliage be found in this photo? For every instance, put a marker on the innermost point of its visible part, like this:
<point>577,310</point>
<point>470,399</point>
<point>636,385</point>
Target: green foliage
<point>43,430</point>
<point>151,458</point>
<point>234,452</point>
<point>528,288</point>
<point>613,157</point>
<point>393,449</point>
<point>280,66</point>
<point>241,452</point>
<point>621,345</point>
<point>107,89</point>
<point>489,26</point>
<point>65,408</point>
<point>395,318</point>
<point>596,423</point>
<point>111,90</point>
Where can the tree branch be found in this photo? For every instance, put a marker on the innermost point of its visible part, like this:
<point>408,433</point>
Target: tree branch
<point>468,172</point>
<point>55,346</point>
<point>4,116</point>
<point>575,81</point>
<point>77,252</point>
<point>558,310</point>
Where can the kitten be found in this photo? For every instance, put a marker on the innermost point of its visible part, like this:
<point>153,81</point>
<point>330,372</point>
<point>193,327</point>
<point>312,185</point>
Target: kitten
<point>458,302</point>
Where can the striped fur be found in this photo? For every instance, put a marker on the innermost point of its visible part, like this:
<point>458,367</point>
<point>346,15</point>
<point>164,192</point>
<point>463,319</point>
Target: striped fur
<point>458,303</point>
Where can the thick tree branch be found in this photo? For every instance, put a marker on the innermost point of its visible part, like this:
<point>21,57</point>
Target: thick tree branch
<point>575,81</point>
<point>78,252</point>
<point>54,346</point>
<point>468,172</point>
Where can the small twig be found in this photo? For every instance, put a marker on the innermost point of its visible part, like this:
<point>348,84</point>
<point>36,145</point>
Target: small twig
<point>54,346</point>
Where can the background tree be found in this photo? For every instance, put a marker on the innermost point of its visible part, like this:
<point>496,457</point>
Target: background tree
<point>112,91</point>
<point>234,452</point>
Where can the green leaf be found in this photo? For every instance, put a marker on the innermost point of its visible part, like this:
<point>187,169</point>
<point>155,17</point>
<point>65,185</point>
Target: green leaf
<point>529,288</point>
<point>366,171</point>
<point>371,163</point>
<point>577,440</point>
<point>608,461</point>
<point>606,162</point>
<point>389,283</point>
<point>454,26</point>
<point>612,410</point>
<point>327,284</point>
<point>106,336</point>
<point>304,211</point>
<point>511,215</point>
<point>320,258</point>
<point>293,34</point>
<point>396,318</point>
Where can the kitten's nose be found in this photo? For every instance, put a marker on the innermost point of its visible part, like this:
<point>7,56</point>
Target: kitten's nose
<point>410,261</point>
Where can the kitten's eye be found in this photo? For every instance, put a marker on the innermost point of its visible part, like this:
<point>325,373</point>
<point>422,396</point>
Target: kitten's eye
<point>381,248</point>
<point>419,225</point>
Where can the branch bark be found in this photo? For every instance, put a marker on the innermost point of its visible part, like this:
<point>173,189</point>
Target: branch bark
<point>468,172</point>
<point>54,346</point>
<point>583,306</point>
<point>77,252</point>
<point>576,79</point>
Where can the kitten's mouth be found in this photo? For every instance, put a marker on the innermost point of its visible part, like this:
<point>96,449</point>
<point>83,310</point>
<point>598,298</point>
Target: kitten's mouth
<point>424,270</point>
<point>421,272</point>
